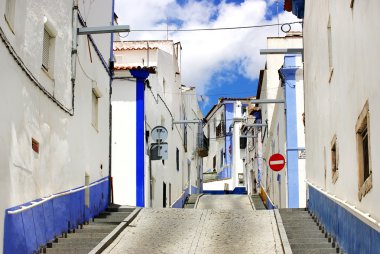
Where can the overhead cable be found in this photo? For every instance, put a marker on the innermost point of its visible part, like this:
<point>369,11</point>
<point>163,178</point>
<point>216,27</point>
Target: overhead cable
<point>214,29</point>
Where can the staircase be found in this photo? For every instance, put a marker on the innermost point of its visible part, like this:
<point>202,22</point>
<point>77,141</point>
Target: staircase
<point>258,202</point>
<point>191,201</point>
<point>305,234</point>
<point>87,236</point>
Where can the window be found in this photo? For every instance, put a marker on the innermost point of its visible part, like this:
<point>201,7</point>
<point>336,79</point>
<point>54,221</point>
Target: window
<point>87,190</point>
<point>329,41</point>
<point>364,152</point>
<point>177,158</point>
<point>334,160</point>
<point>46,50</point>
<point>94,118</point>
<point>352,3</point>
<point>214,162</point>
<point>10,13</point>
<point>221,158</point>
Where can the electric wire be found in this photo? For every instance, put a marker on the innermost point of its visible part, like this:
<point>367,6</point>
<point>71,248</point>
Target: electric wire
<point>215,29</point>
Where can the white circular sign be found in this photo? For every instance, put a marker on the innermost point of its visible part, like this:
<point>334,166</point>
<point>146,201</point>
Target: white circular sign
<point>159,133</point>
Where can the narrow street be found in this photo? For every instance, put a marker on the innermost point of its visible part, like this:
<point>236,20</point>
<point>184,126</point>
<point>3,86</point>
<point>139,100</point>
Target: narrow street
<point>220,224</point>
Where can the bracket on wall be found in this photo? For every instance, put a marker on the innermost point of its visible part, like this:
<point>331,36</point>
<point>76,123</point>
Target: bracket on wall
<point>103,29</point>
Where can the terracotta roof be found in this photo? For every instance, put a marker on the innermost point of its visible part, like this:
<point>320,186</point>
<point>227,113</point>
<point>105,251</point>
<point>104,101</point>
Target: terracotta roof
<point>151,69</point>
<point>125,47</point>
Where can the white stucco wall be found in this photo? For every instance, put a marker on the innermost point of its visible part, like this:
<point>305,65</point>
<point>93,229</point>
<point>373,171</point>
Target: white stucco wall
<point>333,107</point>
<point>69,146</point>
<point>165,101</point>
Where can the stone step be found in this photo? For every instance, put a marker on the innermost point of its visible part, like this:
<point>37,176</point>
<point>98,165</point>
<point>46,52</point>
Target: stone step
<point>301,229</point>
<point>75,245</point>
<point>79,240</point>
<point>110,220</point>
<point>97,228</point>
<point>68,251</point>
<point>118,208</point>
<point>305,223</point>
<point>308,240</point>
<point>84,236</point>
<point>113,215</point>
<point>296,246</point>
<point>303,235</point>
<point>315,251</point>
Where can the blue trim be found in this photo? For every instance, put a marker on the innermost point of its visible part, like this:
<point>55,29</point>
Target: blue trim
<point>353,235</point>
<point>140,76</point>
<point>298,8</point>
<point>27,231</point>
<point>288,72</point>
<point>237,191</point>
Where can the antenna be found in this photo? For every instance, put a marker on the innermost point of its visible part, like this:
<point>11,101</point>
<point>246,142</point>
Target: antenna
<point>278,21</point>
<point>167,29</point>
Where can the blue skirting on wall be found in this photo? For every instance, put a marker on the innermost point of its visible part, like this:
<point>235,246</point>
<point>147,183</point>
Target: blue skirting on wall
<point>352,234</point>
<point>27,231</point>
<point>237,190</point>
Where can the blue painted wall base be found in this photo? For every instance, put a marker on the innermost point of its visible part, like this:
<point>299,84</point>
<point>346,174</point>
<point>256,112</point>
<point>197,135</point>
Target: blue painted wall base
<point>31,229</point>
<point>353,235</point>
<point>237,190</point>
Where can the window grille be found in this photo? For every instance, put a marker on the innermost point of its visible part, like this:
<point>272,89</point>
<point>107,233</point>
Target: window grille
<point>46,50</point>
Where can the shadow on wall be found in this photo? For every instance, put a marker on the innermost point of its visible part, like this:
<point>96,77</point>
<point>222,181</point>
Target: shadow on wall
<point>29,230</point>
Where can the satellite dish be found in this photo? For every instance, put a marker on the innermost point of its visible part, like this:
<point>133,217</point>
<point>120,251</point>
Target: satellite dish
<point>159,134</point>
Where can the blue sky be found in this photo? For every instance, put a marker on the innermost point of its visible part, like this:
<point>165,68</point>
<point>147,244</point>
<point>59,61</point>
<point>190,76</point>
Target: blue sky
<point>219,63</point>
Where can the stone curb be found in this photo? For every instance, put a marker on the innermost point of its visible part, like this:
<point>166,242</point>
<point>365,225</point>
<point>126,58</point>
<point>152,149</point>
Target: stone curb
<point>252,204</point>
<point>283,237</point>
<point>196,202</point>
<point>114,234</point>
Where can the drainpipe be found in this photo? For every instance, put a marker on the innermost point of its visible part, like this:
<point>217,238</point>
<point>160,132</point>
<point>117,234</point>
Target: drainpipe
<point>111,66</point>
<point>74,50</point>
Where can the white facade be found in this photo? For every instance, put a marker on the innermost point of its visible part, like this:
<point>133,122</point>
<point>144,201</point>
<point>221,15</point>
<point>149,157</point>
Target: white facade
<point>272,138</point>
<point>341,77</point>
<point>41,107</point>
<point>224,163</point>
<point>165,100</point>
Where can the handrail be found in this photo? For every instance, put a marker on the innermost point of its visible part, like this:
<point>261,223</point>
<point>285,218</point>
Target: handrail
<point>45,199</point>
<point>364,217</point>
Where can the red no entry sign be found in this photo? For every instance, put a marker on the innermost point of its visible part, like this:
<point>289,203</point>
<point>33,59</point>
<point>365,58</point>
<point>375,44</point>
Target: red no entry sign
<point>276,162</point>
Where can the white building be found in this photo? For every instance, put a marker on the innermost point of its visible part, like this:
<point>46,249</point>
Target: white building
<point>223,167</point>
<point>342,94</point>
<point>55,119</point>
<point>283,130</point>
<point>147,92</point>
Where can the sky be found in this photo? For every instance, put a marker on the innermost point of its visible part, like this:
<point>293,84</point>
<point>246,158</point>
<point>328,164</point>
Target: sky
<point>222,63</point>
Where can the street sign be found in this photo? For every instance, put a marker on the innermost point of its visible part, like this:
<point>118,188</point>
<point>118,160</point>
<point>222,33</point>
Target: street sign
<point>276,162</point>
<point>159,151</point>
<point>159,134</point>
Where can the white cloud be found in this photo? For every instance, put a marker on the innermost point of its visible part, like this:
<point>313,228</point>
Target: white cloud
<point>206,53</point>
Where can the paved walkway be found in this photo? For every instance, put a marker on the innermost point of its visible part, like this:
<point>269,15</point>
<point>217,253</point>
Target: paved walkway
<point>225,202</point>
<point>233,227</point>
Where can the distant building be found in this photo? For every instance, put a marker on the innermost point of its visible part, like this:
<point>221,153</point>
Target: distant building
<point>54,157</point>
<point>283,130</point>
<point>223,167</point>
<point>342,116</point>
<point>147,92</point>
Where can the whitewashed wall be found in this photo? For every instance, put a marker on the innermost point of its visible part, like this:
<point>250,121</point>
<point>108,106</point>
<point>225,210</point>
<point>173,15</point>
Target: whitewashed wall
<point>164,102</point>
<point>70,146</point>
<point>333,107</point>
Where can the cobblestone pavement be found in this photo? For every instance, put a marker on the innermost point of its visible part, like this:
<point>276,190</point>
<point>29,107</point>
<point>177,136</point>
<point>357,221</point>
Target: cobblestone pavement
<point>203,231</point>
<point>225,202</point>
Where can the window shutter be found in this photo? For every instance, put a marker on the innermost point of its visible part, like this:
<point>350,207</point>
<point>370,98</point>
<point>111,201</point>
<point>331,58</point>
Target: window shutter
<point>45,50</point>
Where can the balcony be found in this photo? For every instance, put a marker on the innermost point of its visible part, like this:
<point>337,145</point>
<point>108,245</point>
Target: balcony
<point>202,145</point>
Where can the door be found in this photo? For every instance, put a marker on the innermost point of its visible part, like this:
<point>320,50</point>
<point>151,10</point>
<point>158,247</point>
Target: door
<point>164,194</point>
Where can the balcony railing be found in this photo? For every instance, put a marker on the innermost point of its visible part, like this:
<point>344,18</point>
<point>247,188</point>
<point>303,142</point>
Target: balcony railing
<point>202,145</point>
